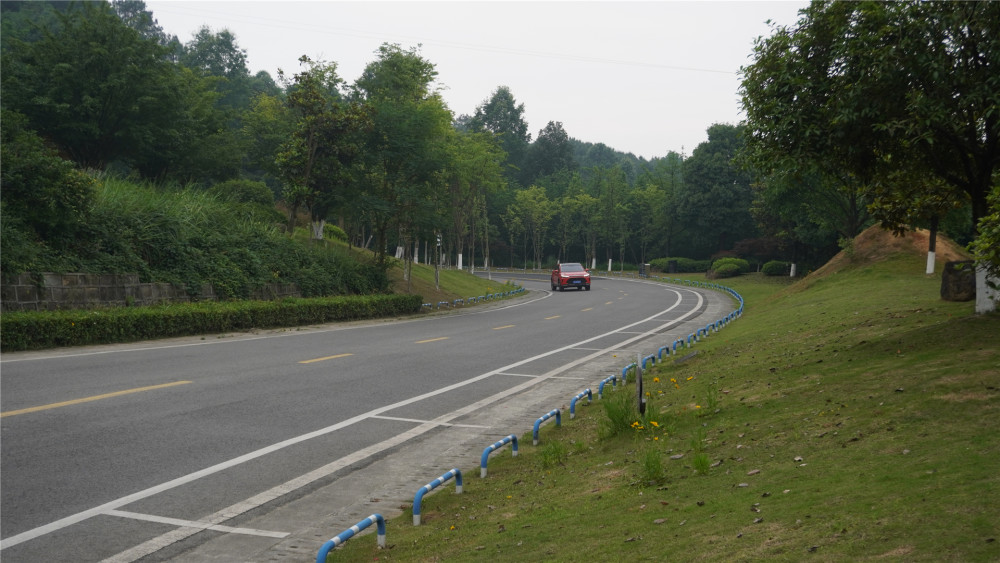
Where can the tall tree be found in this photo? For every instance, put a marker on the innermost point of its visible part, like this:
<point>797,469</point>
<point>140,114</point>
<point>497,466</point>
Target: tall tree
<point>316,160</point>
<point>473,172</point>
<point>666,174</point>
<point>504,117</point>
<point>716,199</point>
<point>405,152</point>
<point>610,188</point>
<point>550,153</point>
<point>102,93</point>
<point>535,211</point>
<point>135,15</point>
<point>880,91</point>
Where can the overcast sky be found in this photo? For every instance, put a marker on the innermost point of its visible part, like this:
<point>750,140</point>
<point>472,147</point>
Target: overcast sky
<point>640,77</point>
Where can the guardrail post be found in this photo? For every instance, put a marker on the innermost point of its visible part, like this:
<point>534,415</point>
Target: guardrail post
<point>350,532</point>
<point>543,418</point>
<point>660,352</point>
<point>430,487</point>
<point>651,358</point>
<point>572,404</point>
<point>496,445</point>
<point>600,389</point>
<point>625,371</point>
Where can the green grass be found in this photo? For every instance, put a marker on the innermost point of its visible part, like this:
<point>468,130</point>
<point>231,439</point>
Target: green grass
<point>852,417</point>
<point>454,284</point>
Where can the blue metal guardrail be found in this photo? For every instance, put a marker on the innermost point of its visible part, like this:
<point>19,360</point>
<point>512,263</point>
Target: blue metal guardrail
<point>430,487</point>
<point>600,388</point>
<point>350,532</point>
<point>580,395</point>
<point>512,439</point>
<point>543,418</point>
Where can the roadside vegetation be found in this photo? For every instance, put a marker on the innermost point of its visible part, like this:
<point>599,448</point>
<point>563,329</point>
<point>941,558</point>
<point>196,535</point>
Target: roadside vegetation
<point>849,416</point>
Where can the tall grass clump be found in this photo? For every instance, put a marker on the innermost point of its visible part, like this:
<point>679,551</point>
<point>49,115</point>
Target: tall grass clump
<point>621,413</point>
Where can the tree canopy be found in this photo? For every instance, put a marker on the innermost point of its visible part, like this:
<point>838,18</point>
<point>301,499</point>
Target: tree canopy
<point>898,99</point>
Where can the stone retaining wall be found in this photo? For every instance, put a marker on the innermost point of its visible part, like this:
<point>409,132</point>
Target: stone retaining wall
<point>90,291</point>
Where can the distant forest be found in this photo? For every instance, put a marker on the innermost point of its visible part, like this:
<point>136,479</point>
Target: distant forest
<point>95,90</point>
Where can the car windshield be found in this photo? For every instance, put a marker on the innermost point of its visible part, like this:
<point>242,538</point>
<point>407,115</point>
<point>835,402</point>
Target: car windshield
<point>572,267</point>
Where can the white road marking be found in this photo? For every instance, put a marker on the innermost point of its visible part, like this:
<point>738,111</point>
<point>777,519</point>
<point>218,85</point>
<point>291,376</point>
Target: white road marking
<point>424,421</point>
<point>198,525</point>
<point>529,375</point>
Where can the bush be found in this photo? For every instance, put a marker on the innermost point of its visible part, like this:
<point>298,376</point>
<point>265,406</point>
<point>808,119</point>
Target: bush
<point>776,268</point>
<point>333,232</point>
<point>726,271</point>
<point>742,266</point>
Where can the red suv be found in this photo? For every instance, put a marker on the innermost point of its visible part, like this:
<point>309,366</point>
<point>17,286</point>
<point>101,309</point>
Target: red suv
<point>570,274</point>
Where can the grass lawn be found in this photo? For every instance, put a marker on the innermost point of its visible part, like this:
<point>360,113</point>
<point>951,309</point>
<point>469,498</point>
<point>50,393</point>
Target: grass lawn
<point>850,416</point>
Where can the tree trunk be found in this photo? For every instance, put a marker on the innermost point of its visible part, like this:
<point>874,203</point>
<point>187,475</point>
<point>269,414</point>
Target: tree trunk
<point>932,245</point>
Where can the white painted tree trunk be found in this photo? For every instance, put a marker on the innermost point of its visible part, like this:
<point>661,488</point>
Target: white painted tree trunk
<point>460,261</point>
<point>930,262</point>
<point>986,296</point>
<point>317,229</point>
<point>792,272</point>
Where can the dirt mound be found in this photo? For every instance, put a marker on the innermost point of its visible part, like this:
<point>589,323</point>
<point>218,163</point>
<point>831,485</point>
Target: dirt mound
<point>876,244</point>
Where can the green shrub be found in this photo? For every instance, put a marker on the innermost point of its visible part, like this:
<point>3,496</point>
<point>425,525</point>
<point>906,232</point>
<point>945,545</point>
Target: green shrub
<point>776,268</point>
<point>726,271</point>
<point>742,266</point>
<point>333,232</point>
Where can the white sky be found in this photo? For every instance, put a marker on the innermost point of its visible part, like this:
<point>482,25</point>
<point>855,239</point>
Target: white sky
<point>642,77</point>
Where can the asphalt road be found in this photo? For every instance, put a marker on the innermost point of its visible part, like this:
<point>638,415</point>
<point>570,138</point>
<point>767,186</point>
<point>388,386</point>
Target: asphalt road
<point>254,447</point>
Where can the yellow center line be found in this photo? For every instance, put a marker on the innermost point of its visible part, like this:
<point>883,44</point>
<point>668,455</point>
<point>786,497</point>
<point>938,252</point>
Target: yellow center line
<point>89,399</point>
<point>503,327</point>
<point>323,359</point>
<point>550,318</point>
<point>587,309</point>
<point>431,340</point>
<point>609,302</point>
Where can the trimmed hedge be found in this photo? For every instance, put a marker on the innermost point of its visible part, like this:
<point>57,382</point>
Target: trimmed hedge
<point>48,329</point>
<point>684,265</point>
<point>776,268</point>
